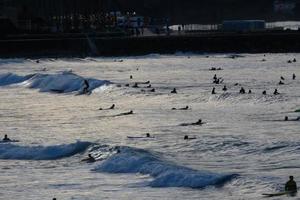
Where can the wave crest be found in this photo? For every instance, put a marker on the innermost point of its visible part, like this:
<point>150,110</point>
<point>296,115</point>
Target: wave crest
<point>165,174</point>
<point>12,151</point>
<point>64,82</point>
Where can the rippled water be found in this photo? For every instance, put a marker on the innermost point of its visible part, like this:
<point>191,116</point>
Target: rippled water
<point>244,149</point>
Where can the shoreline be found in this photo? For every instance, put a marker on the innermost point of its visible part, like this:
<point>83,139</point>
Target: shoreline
<point>81,46</point>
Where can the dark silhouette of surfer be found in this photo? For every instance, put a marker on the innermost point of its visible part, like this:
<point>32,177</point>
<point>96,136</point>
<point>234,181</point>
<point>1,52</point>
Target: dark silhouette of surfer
<point>110,108</point>
<point>224,88</point>
<point>281,83</point>
<point>275,92</point>
<point>291,185</point>
<point>6,139</point>
<point>86,86</point>
<point>242,90</point>
<point>90,159</point>
<point>213,90</point>
<point>215,77</point>
<point>125,113</point>
<point>250,91</point>
<point>286,118</point>
<point>184,108</point>
<point>186,137</point>
<point>217,81</point>
<point>294,76</point>
<point>264,92</point>
<point>199,123</point>
<point>174,91</point>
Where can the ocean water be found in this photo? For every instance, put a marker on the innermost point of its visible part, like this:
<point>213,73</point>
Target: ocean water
<point>244,148</point>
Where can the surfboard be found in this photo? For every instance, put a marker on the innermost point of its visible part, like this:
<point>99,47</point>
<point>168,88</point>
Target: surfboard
<point>139,137</point>
<point>275,194</point>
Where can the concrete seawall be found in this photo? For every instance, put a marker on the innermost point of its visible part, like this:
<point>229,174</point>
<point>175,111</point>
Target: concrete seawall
<point>280,42</point>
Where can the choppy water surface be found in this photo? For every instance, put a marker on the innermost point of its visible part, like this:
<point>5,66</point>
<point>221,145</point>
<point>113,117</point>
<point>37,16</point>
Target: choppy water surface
<point>244,149</point>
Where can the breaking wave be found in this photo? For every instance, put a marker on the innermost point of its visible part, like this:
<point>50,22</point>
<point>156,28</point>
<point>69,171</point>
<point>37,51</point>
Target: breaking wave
<point>12,151</point>
<point>64,82</point>
<point>164,173</point>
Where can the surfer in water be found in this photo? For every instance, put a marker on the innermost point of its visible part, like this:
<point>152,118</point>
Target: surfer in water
<point>186,137</point>
<point>213,90</point>
<point>276,92</point>
<point>86,86</point>
<point>6,139</point>
<point>291,185</point>
<point>135,85</point>
<point>110,108</point>
<point>185,108</point>
<point>242,90</point>
<point>149,136</point>
<point>174,91</point>
<point>199,122</point>
<point>294,76</point>
<point>126,113</point>
<point>281,83</point>
<point>90,159</point>
<point>286,118</point>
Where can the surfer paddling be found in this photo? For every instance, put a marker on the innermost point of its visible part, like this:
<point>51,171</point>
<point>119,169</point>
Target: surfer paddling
<point>110,108</point>
<point>184,108</point>
<point>199,123</point>
<point>186,137</point>
<point>125,113</point>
